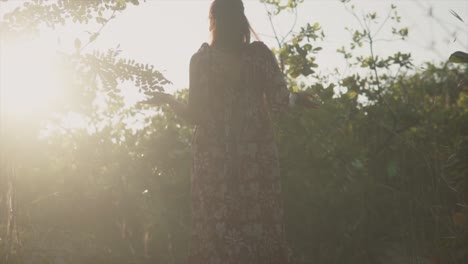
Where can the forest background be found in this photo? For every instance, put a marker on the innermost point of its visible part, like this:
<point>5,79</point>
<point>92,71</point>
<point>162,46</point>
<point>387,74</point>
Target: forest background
<point>378,174</point>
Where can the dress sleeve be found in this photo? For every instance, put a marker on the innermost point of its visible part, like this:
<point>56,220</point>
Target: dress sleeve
<point>195,109</point>
<point>276,89</point>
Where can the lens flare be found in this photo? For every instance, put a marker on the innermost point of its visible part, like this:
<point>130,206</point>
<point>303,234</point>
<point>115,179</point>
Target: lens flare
<point>28,79</point>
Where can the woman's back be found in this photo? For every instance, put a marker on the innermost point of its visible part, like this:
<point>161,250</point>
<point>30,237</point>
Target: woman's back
<point>238,92</point>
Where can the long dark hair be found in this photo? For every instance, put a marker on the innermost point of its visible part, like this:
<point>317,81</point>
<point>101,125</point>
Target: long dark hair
<point>230,28</point>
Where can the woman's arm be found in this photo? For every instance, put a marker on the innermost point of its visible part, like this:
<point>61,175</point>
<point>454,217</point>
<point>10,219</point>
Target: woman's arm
<point>181,109</point>
<point>276,90</point>
<point>192,112</point>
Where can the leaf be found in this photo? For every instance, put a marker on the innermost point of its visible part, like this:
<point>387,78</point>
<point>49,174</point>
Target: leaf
<point>459,57</point>
<point>77,44</point>
<point>295,41</point>
<point>352,95</point>
<point>357,164</point>
<point>101,20</point>
<point>93,37</point>
<point>392,169</point>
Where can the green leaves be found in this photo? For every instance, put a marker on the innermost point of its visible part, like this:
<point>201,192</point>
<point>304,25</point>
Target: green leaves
<point>281,5</point>
<point>459,57</point>
<point>351,170</point>
<point>110,68</point>
<point>101,20</point>
<point>93,37</point>
<point>77,44</point>
<point>35,13</point>
<point>401,33</point>
<point>297,55</point>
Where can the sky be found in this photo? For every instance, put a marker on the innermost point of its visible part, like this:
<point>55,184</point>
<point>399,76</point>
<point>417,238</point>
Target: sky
<point>167,33</point>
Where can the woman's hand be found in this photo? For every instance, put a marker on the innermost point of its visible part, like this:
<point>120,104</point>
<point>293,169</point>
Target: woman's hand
<point>159,98</point>
<point>307,100</point>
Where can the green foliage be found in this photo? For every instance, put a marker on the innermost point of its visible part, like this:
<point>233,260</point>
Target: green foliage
<point>376,175</point>
<point>459,57</point>
<point>281,5</point>
<point>359,180</point>
<point>297,55</point>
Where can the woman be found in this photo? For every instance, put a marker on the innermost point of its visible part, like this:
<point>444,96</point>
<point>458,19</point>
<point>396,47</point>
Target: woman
<point>236,89</point>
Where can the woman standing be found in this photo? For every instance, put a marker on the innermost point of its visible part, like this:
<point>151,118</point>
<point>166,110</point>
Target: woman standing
<point>236,89</point>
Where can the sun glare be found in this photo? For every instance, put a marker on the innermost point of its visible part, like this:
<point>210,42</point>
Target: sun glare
<point>29,83</point>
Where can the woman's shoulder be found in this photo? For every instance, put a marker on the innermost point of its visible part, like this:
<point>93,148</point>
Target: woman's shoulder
<point>260,49</point>
<point>202,52</point>
<point>204,48</point>
<point>258,45</point>
<point>256,48</point>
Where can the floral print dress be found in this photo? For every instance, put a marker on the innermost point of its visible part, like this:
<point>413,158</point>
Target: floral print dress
<point>237,211</point>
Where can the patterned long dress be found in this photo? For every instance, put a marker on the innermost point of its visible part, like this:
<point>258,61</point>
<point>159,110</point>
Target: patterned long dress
<point>237,210</point>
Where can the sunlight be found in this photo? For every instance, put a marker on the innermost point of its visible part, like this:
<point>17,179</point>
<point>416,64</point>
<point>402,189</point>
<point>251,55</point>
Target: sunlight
<point>68,122</point>
<point>29,82</point>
